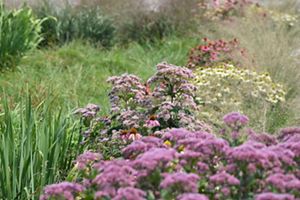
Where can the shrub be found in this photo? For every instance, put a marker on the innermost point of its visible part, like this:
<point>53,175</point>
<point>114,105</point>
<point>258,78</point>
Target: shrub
<point>225,9</point>
<point>165,101</point>
<point>19,32</point>
<point>192,165</point>
<point>225,87</point>
<point>95,27</point>
<point>69,23</point>
<point>214,51</point>
<point>146,26</point>
<point>149,21</point>
<point>37,148</point>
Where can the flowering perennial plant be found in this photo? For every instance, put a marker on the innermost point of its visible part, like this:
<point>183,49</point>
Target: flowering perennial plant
<point>213,51</point>
<point>184,165</point>
<point>225,9</point>
<point>224,88</point>
<point>166,100</point>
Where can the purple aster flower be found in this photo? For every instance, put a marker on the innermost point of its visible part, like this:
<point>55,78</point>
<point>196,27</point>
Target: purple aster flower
<point>141,146</point>
<point>235,119</point>
<point>181,181</point>
<point>89,111</point>
<point>286,133</point>
<point>202,167</point>
<point>223,178</point>
<point>114,175</point>
<point>274,196</point>
<point>285,155</point>
<point>66,190</point>
<point>284,182</point>
<point>130,193</point>
<point>192,196</point>
<point>263,138</point>
<point>86,158</point>
<point>156,158</point>
<point>248,153</point>
<point>152,123</point>
<point>188,155</point>
<point>210,148</point>
<point>177,134</point>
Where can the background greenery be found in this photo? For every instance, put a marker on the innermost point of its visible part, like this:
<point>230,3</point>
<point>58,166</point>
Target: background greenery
<point>85,44</point>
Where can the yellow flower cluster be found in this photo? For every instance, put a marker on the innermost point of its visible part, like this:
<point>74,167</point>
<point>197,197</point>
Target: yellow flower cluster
<point>225,87</point>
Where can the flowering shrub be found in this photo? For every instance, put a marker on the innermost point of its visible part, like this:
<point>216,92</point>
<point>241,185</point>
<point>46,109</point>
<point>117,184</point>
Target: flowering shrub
<point>213,52</point>
<point>166,100</point>
<point>224,88</point>
<point>187,165</point>
<point>224,9</point>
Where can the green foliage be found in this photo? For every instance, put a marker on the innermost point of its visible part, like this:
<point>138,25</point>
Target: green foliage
<point>76,73</point>
<point>69,23</point>
<point>37,148</point>
<point>19,32</point>
<point>146,27</point>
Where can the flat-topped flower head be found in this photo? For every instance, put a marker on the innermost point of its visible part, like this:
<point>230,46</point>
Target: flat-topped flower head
<point>223,178</point>
<point>192,196</point>
<point>87,158</point>
<point>64,190</point>
<point>181,181</point>
<point>235,118</point>
<point>274,196</point>
<point>130,193</point>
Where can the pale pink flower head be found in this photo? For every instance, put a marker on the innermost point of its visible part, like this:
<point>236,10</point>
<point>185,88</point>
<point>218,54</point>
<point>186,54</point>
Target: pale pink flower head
<point>152,122</point>
<point>134,135</point>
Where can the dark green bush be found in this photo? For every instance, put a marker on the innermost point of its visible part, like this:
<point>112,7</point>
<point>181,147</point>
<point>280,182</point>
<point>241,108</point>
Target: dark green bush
<point>71,23</point>
<point>19,32</point>
<point>146,27</point>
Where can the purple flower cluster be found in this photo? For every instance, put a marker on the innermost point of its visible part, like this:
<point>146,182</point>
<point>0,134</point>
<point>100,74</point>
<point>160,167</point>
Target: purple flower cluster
<point>89,111</point>
<point>64,190</point>
<point>166,100</point>
<point>87,158</point>
<point>192,196</point>
<point>180,181</point>
<point>185,165</point>
<point>274,196</point>
<point>235,119</point>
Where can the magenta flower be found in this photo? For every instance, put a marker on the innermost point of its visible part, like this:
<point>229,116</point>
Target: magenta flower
<point>114,175</point>
<point>130,193</point>
<point>66,190</point>
<point>156,158</point>
<point>235,119</point>
<point>86,158</point>
<point>180,181</point>
<point>284,182</point>
<point>223,178</point>
<point>192,196</point>
<point>274,196</point>
<point>140,146</point>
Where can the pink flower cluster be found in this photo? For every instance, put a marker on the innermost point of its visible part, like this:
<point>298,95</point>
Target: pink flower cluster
<point>166,100</point>
<point>225,9</point>
<point>180,164</point>
<point>213,51</point>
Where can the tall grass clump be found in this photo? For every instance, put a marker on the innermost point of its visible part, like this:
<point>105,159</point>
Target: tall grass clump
<point>37,148</point>
<point>19,32</point>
